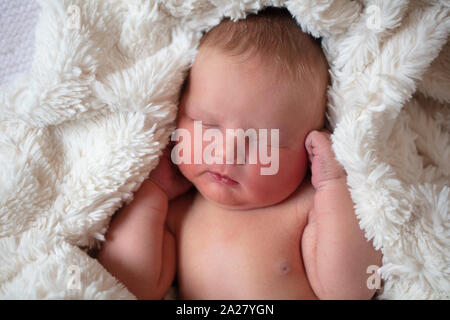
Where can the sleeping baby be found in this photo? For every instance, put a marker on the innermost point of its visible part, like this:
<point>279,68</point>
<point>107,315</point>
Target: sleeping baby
<point>242,232</point>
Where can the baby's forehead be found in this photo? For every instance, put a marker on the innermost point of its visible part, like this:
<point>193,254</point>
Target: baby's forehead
<point>252,93</point>
<point>311,66</point>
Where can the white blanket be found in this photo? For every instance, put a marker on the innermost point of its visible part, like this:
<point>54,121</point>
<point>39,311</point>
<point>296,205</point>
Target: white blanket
<point>82,130</point>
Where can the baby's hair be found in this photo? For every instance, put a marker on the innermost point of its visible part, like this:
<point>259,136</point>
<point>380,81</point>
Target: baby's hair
<point>274,34</point>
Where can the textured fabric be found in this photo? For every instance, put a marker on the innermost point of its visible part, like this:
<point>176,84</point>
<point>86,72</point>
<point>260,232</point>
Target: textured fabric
<point>83,128</point>
<point>17,24</point>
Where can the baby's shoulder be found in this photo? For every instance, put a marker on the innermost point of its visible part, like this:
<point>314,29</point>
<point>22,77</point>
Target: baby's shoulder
<point>294,210</point>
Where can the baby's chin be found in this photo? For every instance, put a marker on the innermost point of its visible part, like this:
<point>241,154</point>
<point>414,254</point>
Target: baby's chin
<point>221,195</point>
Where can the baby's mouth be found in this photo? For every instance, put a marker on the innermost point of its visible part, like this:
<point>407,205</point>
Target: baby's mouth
<point>222,178</point>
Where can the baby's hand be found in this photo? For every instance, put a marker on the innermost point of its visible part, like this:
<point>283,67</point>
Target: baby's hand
<point>325,169</point>
<point>168,177</point>
<point>335,250</point>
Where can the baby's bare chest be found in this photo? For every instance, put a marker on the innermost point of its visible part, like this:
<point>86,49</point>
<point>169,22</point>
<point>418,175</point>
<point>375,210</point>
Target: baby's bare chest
<point>233,231</point>
<point>216,246</point>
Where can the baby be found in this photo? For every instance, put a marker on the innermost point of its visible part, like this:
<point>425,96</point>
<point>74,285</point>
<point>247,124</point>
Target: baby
<point>240,234</point>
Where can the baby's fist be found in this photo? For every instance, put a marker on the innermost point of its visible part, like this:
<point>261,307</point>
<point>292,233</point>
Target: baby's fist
<point>168,177</point>
<point>324,167</point>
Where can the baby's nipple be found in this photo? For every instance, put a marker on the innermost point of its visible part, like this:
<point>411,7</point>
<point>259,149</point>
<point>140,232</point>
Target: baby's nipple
<point>284,267</point>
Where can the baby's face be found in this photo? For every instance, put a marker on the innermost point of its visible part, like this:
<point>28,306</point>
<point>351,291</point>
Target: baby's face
<point>225,93</point>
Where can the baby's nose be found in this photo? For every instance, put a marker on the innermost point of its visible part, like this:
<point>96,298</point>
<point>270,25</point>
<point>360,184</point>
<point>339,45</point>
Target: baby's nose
<point>236,151</point>
<point>231,152</point>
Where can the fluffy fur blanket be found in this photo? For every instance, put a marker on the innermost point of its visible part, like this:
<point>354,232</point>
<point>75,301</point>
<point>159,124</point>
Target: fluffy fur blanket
<point>83,129</point>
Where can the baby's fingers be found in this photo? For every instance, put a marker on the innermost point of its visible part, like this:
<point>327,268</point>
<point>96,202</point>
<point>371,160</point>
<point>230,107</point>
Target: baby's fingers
<point>324,166</point>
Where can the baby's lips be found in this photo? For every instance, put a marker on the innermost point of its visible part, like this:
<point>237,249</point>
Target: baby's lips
<point>222,178</point>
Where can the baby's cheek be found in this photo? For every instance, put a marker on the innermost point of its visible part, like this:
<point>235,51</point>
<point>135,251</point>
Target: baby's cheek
<point>293,166</point>
<point>259,189</point>
<point>274,188</point>
<point>190,171</point>
<point>295,161</point>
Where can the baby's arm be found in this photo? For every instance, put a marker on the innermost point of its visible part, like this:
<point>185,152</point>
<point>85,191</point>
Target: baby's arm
<point>139,250</point>
<point>335,250</point>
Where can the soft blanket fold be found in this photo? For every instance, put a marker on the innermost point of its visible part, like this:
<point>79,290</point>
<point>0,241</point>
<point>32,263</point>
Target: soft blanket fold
<point>83,129</point>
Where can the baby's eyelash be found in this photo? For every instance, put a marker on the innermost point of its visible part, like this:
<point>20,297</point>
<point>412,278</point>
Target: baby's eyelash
<point>203,124</point>
<point>208,125</point>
